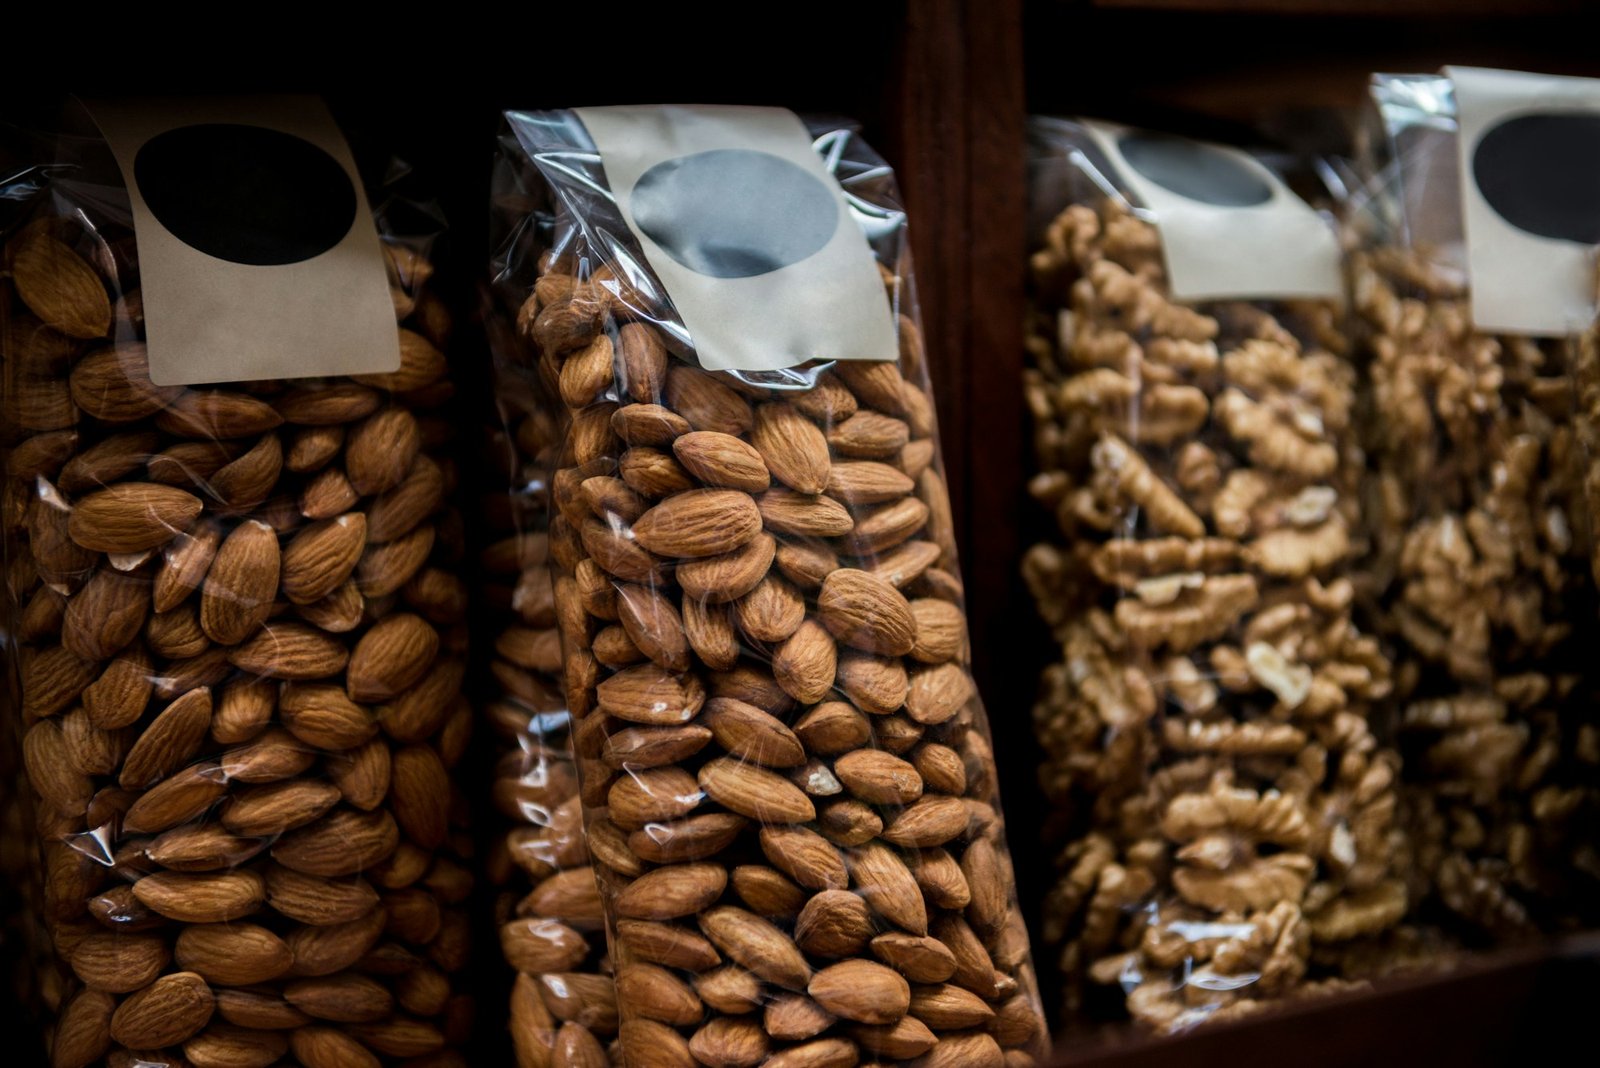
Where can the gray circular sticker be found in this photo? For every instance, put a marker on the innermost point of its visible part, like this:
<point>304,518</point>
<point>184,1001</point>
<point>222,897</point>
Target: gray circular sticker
<point>1541,173</point>
<point>1198,171</point>
<point>734,213</point>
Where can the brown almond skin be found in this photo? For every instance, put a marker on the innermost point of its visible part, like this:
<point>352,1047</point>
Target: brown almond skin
<point>672,891</point>
<point>756,945</point>
<point>132,516</point>
<point>169,1011</point>
<point>861,990</point>
<point>867,613</point>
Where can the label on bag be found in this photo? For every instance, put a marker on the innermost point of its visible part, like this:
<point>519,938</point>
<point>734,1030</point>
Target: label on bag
<point>1230,227</point>
<point>749,233</point>
<point>258,257</point>
<point>1529,152</point>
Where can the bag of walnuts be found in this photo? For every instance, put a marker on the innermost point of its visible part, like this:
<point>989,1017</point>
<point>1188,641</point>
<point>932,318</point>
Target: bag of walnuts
<point>789,791</point>
<point>1223,804</point>
<point>1474,283</point>
<point>562,1002</point>
<point>235,623</point>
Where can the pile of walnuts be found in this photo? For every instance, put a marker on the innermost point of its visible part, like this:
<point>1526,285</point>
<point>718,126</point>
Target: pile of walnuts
<point>1231,829</point>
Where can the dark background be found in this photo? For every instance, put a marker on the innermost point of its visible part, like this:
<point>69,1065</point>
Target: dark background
<point>941,87</point>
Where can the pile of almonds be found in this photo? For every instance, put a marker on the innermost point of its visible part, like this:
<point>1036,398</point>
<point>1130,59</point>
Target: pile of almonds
<point>791,794</point>
<point>241,638</point>
<point>563,1008</point>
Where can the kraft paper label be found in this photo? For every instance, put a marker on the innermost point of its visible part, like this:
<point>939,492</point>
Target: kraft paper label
<point>1230,228</point>
<point>1529,154</point>
<point>258,257</point>
<point>749,233</point>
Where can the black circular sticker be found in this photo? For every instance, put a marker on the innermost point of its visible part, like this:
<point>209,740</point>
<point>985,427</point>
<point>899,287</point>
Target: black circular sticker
<point>734,213</point>
<point>1541,173</point>
<point>1198,171</point>
<point>246,194</point>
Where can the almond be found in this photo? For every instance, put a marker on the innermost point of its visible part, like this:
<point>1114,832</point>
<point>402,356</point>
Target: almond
<point>118,963</point>
<point>176,799</point>
<point>987,879</point>
<point>806,663</point>
<point>328,404</point>
<point>722,460</point>
<point>209,415</point>
<point>169,740</point>
<point>258,1008</point>
<point>653,474</point>
<point>878,777</point>
<point>278,807</point>
<point>689,839</point>
<point>321,715</point>
<point>648,1044</point>
<point>393,654</point>
<point>919,958</point>
<point>823,1053</point>
<point>246,482</point>
<point>756,945</point>
<point>869,435</point>
<point>834,923</point>
<point>537,944</point>
<point>859,482</point>
<point>341,843</point>
<point>654,993</point>
<point>329,948</point>
<point>104,616</point>
<point>588,373</point>
<point>652,621</point>
<point>649,695</point>
<point>672,891</point>
<point>642,362</point>
<point>202,898</point>
<point>341,998</point>
<point>362,775</point>
<point>727,576</point>
<point>767,891</point>
<point>59,287</point>
<point>849,823</point>
<point>380,450</point>
<point>795,1018</point>
<point>83,1032</point>
<point>941,631</point>
<point>607,497</point>
<point>867,613</point>
<point>666,945</point>
<point>388,567</point>
<point>101,464</point>
<point>771,612</point>
<point>421,364</point>
<point>941,879</point>
<point>271,757</point>
<point>398,510</point>
<point>113,385</point>
<point>165,1013</point>
<point>793,449</point>
<point>290,651</point>
<point>319,902</point>
<point>746,732</point>
<point>883,879</point>
<point>226,1046</point>
<point>239,587</point>
<point>618,553</point>
<point>974,968</point>
<point>711,634</point>
<point>950,1008</point>
<point>932,821</point>
<point>861,990</point>
<point>322,556</point>
<point>754,792</point>
<point>876,684</point>
<point>654,747</point>
<point>185,561</point>
<point>937,694</point>
<point>419,795</point>
<point>234,954</point>
<point>730,1042</point>
<point>699,523</point>
<point>132,516</point>
<point>833,727</point>
<point>941,768</point>
<point>50,770</point>
<point>201,847</point>
<point>706,402</point>
<point>784,511</point>
<point>885,526</point>
<point>648,424</point>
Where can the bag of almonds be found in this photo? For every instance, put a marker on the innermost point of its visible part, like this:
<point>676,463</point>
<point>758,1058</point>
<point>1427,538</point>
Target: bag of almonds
<point>789,792</point>
<point>232,605</point>
<point>562,1001</point>
<point>1223,805</point>
<point>1474,281</point>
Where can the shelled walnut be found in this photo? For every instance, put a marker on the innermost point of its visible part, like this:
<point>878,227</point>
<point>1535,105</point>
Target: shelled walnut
<point>1481,540</point>
<point>563,1008</point>
<point>1230,811</point>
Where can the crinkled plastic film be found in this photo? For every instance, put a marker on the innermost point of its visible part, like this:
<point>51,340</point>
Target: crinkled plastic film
<point>1481,542</point>
<point>790,795</point>
<point>562,1008</point>
<point>236,640</point>
<point>1224,809</point>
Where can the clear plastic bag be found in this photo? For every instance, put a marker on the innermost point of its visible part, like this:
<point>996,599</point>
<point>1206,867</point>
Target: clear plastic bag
<point>562,1003</point>
<point>1223,805</point>
<point>1480,541</point>
<point>787,778</point>
<point>235,638</point>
